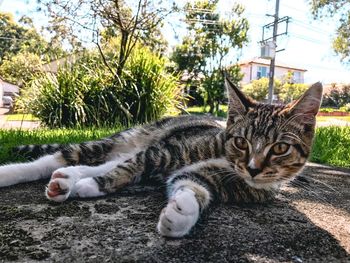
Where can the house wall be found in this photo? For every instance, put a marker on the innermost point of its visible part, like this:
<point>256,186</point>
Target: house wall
<point>251,72</point>
<point>8,88</point>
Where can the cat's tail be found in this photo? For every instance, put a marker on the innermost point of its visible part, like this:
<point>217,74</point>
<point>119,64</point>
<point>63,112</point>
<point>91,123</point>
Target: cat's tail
<point>35,151</point>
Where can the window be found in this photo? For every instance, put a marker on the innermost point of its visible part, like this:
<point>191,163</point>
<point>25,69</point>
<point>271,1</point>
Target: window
<point>262,72</point>
<point>297,77</point>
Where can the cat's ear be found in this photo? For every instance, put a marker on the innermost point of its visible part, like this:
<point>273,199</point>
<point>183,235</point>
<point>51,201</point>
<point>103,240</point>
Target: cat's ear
<point>238,103</point>
<point>308,105</point>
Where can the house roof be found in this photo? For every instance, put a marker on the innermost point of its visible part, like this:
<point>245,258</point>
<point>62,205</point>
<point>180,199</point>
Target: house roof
<point>266,62</point>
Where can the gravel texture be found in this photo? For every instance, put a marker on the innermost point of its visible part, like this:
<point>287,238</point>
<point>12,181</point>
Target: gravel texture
<point>308,222</point>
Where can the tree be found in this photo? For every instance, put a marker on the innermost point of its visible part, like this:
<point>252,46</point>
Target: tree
<point>337,96</point>
<point>258,89</point>
<point>23,37</point>
<point>330,8</point>
<point>210,39</point>
<point>131,21</point>
<point>21,68</point>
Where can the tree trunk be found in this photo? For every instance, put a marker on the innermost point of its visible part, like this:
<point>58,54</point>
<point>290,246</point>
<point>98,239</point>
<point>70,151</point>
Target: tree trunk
<point>122,52</point>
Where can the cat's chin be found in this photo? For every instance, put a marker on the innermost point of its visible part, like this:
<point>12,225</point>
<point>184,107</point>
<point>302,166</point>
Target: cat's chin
<point>261,185</point>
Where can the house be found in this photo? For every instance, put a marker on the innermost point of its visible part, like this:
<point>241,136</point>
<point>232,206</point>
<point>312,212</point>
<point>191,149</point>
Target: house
<point>7,89</point>
<point>257,68</point>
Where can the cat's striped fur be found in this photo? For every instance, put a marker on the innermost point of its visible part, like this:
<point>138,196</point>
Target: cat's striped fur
<point>200,161</point>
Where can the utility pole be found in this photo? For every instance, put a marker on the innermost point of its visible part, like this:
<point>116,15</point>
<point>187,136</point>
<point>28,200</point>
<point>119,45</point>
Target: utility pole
<point>272,64</point>
<point>269,44</point>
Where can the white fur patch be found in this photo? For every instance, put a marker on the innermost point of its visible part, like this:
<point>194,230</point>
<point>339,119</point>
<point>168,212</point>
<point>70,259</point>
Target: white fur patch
<point>180,215</point>
<point>27,172</point>
<point>87,187</point>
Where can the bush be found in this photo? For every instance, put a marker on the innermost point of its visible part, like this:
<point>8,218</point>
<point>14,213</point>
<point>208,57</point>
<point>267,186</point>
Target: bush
<point>88,94</point>
<point>291,91</point>
<point>337,97</point>
<point>345,108</point>
<point>259,89</point>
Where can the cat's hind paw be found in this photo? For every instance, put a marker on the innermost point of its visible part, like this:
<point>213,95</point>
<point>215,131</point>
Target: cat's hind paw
<point>60,185</point>
<point>180,215</point>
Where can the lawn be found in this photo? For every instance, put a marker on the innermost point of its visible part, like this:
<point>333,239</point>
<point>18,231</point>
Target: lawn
<point>223,113</point>
<point>331,144</point>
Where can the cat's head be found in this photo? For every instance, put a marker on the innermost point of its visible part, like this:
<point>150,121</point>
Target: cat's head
<point>269,144</point>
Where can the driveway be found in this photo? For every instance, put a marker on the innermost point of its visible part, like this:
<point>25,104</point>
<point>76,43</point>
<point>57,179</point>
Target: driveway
<point>4,124</point>
<point>308,222</point>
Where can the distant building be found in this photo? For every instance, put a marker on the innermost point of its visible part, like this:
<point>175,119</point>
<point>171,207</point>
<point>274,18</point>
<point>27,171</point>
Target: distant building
<point>7,89</point>
<point>257,68</point>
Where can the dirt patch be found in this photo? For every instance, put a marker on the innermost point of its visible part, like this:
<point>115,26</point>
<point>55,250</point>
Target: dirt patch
<point>308,222</point>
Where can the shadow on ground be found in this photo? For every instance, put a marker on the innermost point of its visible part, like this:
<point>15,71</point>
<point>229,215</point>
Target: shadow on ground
<point>308,222</point>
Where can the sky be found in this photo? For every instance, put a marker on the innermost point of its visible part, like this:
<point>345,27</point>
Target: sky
<point>308,44</point>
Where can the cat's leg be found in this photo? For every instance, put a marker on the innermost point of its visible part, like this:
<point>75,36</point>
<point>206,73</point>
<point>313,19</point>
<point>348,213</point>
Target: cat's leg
<point>189,194</point>
<point>42,168</point>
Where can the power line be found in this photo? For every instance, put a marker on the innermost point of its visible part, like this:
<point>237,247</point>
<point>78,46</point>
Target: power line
<point>312,40</point>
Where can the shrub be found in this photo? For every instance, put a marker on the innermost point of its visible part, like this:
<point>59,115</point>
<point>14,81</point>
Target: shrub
<point>88,94</point>
<point>291,91</point>
<point>337,97</point>
<point>258,89</point>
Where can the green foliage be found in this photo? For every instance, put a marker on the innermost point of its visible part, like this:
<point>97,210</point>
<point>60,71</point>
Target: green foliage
<point>291,91</point>
<point>20,68</point>
<point>337,97</point>
<point>339,10</point>
<point>345,108</point>
<point>88,94</point>
<point>205,49</point>
<point>16,38</point>
<point>331,146</point>
<point>12,138</point>
<point>286,90</point>
<point>258,89</point>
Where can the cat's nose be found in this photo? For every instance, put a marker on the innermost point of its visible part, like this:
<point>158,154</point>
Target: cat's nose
<point>253,172</point>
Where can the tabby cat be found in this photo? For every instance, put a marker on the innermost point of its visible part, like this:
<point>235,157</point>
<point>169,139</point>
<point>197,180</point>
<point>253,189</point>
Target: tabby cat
<point>200,162</point>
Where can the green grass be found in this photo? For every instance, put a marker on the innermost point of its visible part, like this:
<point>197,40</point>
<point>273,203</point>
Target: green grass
<point>332,146</point>
<point>202,110</point>
<point>12,138</point>
<point>223,113</point>
<point>21,117</point>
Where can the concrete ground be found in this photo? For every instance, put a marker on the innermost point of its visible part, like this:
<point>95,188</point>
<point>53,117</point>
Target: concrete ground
<point>308,222</point>
<point>4,124</point>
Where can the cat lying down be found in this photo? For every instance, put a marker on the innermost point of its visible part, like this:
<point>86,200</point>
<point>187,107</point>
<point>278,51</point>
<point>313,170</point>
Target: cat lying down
<point>200,162</point>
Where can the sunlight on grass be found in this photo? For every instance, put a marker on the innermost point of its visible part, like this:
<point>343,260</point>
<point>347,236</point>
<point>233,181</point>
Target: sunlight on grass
<point>21,117</point>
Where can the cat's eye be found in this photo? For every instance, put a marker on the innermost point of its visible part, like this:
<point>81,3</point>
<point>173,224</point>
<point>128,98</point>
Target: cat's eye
<point>241,143</point>
<point>280,148</point>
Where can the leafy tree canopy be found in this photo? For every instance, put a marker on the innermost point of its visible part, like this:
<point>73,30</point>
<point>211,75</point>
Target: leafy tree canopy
<point>208,48</point>
<point>23,37</point>
<point>329,8</point>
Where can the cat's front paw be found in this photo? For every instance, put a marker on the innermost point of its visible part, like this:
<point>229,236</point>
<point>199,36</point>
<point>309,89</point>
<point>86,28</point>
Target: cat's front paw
<point>180,215</point>
<point>61,184</point>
